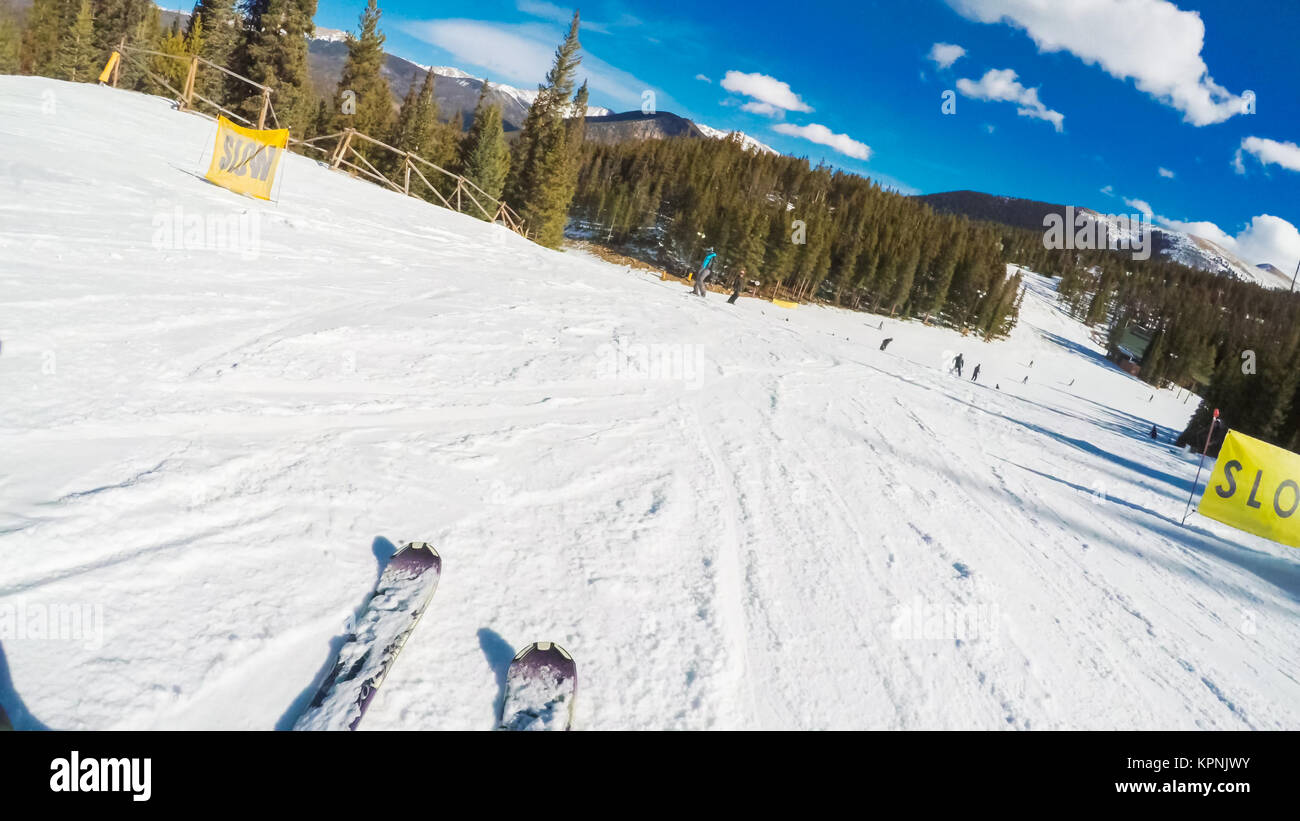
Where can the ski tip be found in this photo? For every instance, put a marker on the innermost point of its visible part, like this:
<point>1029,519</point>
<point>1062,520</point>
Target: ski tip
<point>417,556</point>
<point>423,547</point>
<point>544,648</point>
<point>541,684</point>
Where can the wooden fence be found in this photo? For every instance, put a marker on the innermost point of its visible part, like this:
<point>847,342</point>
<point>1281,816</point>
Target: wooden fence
<point>343,154</point>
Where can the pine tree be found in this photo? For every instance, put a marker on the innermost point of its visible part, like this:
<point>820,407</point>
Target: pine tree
<point>274,53</point>
<point>10,42</point>
<point>416,130</point>
<point>77,59</point>
<point>117,19</point>
<point>47,24</point>
<point>485,157</point>
<point>323,120</point>
<point>222,28</point>
<point>146,32</point>
<point>195,36</point>
<point>406,133</point>
<point>540,186</point>
<point>363,77</point>
<point>170,68</point>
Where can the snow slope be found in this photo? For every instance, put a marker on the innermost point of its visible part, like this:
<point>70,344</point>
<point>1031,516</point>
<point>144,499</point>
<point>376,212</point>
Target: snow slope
<point>733,516</point>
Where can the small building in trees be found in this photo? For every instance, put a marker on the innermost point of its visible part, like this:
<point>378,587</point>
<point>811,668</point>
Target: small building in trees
<point>1131,347</point>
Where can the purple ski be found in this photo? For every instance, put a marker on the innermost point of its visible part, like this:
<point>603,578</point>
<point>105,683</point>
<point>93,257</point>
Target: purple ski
<point>404,590</point>
<point>540,686</point>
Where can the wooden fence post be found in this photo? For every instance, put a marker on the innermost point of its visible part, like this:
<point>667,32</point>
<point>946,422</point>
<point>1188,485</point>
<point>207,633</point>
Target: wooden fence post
<point>187,96</point>
<point>344,144</point>
<point>406,161</point>
<point>121,55</point>
<point>266,102</point>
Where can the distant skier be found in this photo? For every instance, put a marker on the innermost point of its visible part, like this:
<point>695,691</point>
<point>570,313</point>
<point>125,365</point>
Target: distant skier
<point>1155,433</point>
<point>975,377</point>
<point>1025,381</point>
<point>740,284</point>
<point>885,344</point>
<point>702,276</point>
<point>957,364</point>
<point>1071,383</point>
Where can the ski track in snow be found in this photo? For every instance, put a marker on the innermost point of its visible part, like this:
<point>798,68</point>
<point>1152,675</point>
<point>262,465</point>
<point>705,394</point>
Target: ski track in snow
<point>210,456</point>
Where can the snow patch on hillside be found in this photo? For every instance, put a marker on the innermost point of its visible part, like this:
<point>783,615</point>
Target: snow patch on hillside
<point>330,35</point>
<point>747,141</point>
<point>1193,251</point>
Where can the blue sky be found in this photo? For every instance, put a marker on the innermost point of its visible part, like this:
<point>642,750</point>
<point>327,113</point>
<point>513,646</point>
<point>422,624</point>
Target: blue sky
<point>1124,106</point>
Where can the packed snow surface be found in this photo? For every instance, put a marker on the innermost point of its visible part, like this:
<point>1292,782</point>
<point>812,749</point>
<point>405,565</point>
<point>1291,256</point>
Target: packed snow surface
<point>733,516</point>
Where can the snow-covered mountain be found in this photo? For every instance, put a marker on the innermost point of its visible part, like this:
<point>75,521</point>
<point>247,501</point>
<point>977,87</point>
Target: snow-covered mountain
<point>328,50</point>
<point>1203,254</point>
<point>1276,273</point>
<point>330,35</point>
<point>457,91</point>
<point>1192,251</point>
<point>746,140</point>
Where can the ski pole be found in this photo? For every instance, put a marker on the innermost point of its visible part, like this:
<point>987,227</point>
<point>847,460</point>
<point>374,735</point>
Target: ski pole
<point>1197,480</point>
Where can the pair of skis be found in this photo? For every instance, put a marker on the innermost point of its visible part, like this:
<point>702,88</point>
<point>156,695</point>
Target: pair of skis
<point>540,684</point>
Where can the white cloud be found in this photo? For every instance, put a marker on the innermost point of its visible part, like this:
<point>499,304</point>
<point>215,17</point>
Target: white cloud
<point>766,109</point>
<point>1152,42</point>
<point>764,89</point>
<point>560,14</point>
<point>1269,152</point>
<point>1001,85</point>
<point>545,10</point>
<point>1140,205</point>
<point>1109,190</point>
<point>945,54</point>
<point>523,54</point>
<point>702,78</point>
<point>1269,239</point>
<point>1165,172</point>
<point>822,135</point>
<point>1265,238</point>
<point>1238,164</point>
<point>1205,230</point>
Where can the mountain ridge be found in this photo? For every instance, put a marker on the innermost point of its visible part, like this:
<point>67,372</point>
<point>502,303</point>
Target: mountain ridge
<point>1189,249</point>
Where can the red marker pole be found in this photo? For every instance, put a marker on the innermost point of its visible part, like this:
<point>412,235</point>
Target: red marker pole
<point>1197,481</point>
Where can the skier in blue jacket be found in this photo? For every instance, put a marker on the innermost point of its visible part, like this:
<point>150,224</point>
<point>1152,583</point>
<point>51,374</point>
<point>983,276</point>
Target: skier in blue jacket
<point>703,274</point>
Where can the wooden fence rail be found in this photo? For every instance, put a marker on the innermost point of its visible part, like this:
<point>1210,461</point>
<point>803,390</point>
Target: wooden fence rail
<point>494,211</point>
<point>343,154</point>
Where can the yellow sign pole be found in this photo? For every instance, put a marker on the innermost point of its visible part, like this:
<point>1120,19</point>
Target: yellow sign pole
<point>1192,494</point>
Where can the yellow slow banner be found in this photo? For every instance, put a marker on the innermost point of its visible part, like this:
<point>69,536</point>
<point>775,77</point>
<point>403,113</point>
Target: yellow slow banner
<point>245,159</point>
<point>1255,487</point>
